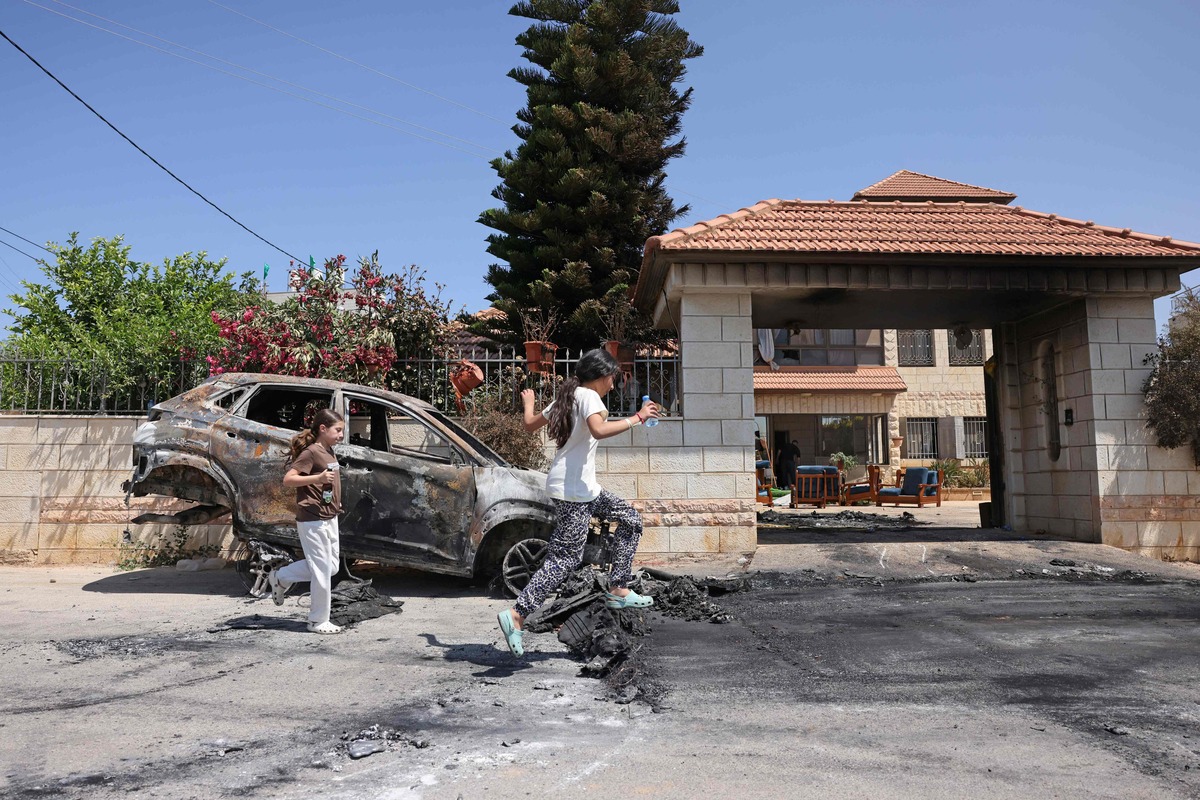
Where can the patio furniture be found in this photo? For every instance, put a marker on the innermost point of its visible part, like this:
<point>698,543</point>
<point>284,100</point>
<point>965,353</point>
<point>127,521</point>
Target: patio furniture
<point>816,486</point>
<point>764,479</point>
<point>863,490</point>
<point>916,485</point>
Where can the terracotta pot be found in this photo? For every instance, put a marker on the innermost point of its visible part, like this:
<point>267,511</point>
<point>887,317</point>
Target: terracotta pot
<point>465,377</point>
<point>539,356</point>
<point>622,353</point>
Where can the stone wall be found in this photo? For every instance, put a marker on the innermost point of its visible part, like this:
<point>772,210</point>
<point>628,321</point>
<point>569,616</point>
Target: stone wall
<point>1110,482</point>
<point>60,492</point>
<point>61,500</point>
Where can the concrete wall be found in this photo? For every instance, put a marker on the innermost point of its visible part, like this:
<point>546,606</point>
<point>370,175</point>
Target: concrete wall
<point>60,491</point>
<point>1110,483</point>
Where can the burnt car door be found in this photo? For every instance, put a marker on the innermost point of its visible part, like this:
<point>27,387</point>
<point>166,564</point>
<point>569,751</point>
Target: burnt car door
<point>408,492</point>
<point>253,444</point>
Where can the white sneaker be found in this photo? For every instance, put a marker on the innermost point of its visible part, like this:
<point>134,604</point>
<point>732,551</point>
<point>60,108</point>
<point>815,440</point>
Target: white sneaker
<point>324,627</point>
<point>278,588</point>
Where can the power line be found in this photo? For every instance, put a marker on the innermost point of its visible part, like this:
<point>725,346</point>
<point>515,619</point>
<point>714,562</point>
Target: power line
<point>358,64</point>
<point>16,289</point>
<point>489,151</point>
<point>137,147</point>
<point>23,239</point>
<point>14,247</point>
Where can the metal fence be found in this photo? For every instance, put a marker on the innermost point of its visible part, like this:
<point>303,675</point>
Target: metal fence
<point>48,385</point>
<point>915,348</point>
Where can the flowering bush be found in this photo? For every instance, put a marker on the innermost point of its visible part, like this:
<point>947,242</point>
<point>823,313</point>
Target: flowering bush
<point>361,334</point>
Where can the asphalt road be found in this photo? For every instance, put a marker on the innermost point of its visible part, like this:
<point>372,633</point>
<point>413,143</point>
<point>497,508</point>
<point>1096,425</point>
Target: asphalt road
<point>1060,684</point>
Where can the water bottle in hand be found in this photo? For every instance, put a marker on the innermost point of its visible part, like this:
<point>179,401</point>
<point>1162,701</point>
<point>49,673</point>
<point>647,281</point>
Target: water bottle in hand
<point>651,421</point>
<point>327,493</point>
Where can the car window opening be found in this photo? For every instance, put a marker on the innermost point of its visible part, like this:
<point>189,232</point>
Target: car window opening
<point>286,407</point>
<point>388,429</point>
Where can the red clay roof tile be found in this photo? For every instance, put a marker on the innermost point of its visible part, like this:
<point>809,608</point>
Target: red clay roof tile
<point>829,379</point>
<point>901,228</point>
<point>909,186</point>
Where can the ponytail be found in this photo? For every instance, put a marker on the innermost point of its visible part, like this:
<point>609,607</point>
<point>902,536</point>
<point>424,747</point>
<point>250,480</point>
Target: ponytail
<point>562,415</point>
<point>322,419</point>
<point>593,364</point>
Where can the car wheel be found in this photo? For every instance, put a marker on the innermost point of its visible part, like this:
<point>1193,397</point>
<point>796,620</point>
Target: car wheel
<point>253,559</point>
<point>521,560</point>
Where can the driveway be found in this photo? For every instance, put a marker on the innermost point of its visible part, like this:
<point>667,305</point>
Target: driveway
<point>844,674</point>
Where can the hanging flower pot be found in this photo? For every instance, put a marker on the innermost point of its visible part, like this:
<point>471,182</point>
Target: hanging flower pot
<point>622,353</point>
<point>539,356</point>
<point>465,376</point>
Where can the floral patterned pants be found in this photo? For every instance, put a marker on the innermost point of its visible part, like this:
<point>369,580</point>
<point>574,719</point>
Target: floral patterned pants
<point>568,539</point>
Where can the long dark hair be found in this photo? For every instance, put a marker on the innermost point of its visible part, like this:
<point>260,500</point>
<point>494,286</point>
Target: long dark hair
<point>323,418</point>
<point>593,365</point>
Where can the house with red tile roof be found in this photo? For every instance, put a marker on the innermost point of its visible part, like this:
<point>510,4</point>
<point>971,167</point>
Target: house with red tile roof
<point>849,297</point>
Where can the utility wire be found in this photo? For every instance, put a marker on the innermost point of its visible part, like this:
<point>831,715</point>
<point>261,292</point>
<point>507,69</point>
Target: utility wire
<point>157,163</point>
<point>14,247</point>
<point>357,63</point>
<point>16,289</point>
<point>489,151</point>
<point>23,239</point>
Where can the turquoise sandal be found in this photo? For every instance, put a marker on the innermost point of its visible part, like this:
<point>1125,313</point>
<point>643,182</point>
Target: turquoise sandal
<point>512,634</point>
<point>631,600</point>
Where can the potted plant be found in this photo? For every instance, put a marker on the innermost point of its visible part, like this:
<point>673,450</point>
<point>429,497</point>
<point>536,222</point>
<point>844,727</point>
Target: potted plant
<point>464,377</point>
<point>539,324</point>
<point>843,461</point>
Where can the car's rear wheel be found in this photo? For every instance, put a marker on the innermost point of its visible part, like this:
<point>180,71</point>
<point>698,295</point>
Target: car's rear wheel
<point>253,559</point>
<point>522,558</point>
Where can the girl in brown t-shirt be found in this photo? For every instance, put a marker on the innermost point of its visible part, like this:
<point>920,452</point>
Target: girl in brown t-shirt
<point>313,472</point>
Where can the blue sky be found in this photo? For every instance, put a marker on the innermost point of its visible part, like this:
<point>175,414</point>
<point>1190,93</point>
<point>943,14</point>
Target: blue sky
<point>1085,109</point>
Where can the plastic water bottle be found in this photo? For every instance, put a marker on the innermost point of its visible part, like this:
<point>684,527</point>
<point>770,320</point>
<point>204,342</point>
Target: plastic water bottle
<point>652,421</point>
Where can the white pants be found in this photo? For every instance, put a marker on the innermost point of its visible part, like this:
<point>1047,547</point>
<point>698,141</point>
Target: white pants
<point>320,542</point>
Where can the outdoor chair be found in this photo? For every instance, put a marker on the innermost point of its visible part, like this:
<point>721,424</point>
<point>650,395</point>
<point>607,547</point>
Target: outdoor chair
<point>764,479</point>
<point>863,490</point>
<point>916,485</point>
<point>816,486</point>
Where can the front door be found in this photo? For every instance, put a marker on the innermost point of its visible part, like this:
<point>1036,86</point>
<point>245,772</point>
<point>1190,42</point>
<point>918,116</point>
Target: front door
<point>408,493</point>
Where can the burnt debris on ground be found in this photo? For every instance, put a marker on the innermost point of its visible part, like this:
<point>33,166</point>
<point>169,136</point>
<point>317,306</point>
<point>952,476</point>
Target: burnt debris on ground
<point>610,641</point>
<point>846,520</point>
<point>351,601</point>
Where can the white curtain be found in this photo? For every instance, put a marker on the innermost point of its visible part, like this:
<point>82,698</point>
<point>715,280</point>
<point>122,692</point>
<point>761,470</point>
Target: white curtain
<point>766,346</point>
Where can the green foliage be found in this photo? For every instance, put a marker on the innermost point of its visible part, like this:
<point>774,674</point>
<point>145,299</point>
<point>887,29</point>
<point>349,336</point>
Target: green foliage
<point>364,333</point>
<point>1172,389</point>
<point>498,425</point>
<point>971,475</point>
<point>130,320</point>
<point>848,460</point>
<point>584,189</point>
<point>162,551</point>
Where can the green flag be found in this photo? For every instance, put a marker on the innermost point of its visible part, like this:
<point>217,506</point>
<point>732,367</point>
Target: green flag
<point>311,264</point>
<point>266,269</point>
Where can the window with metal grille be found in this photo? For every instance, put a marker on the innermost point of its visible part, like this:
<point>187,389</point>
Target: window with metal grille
<point>915,348</point>
<point>975,443</point>
<point>922,437</point>
<point>969,356</point>
<point>823,347</point>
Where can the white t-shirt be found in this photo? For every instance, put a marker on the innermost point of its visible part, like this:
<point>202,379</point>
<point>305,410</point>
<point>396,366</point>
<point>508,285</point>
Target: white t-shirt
<point>572,474</point>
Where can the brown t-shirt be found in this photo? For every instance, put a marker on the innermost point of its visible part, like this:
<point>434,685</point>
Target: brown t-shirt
<point>310,505</point>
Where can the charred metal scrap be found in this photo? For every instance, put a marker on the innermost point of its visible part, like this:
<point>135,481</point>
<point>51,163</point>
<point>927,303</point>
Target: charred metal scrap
<point>608,641</point>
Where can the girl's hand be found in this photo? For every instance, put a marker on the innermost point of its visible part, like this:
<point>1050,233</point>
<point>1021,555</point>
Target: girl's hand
<point>649,409</point>
<point>527,398</point>
<point>327,477</point>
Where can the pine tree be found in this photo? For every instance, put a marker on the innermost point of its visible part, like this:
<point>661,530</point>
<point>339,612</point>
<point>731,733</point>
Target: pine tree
<point>584,190</point>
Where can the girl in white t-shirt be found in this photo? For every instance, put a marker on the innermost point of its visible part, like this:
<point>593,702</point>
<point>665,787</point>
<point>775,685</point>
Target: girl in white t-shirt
<point>577,420</point>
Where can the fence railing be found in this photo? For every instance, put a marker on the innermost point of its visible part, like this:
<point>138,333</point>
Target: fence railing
<point>41,385</point>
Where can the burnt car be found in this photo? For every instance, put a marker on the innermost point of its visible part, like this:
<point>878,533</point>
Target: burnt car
<point>417,489</point>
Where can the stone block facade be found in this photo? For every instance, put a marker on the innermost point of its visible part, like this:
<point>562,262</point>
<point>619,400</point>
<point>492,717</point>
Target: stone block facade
<point>60,492</point>
<point>1108,481</point>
